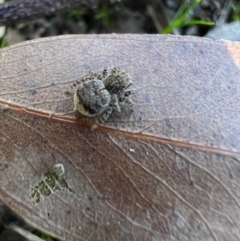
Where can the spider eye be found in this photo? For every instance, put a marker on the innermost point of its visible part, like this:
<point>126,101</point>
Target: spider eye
<point>127,93</point>
<point>121,99</point>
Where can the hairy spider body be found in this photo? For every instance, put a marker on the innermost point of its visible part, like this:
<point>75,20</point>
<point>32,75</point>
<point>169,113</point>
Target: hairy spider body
<point>99,94</point>
<point>91,98</point>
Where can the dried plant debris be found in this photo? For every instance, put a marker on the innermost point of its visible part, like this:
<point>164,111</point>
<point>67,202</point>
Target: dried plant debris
<point>52,182</point>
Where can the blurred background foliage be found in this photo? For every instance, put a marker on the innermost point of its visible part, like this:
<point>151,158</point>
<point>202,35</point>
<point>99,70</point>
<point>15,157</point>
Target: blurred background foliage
<point>179,17</point>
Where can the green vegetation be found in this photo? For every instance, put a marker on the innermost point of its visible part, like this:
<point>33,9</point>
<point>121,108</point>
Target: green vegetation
<point>107,16</point>
<point>3,42</point>
<point>43,236</point>
<point>180,18</point>
<point>76,14</point>
<point>236,13</point>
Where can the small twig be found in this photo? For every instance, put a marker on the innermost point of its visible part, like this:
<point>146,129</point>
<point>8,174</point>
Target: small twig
<point>225,12</point>
<point>160,14</point>
<point>27,10</point>
<point>24,233</point>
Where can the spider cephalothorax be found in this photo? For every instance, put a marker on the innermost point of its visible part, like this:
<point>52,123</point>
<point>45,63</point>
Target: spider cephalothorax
<point>98,94</point>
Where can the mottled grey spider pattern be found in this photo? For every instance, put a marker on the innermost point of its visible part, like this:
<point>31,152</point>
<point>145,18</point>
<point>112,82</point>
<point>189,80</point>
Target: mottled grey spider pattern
<point>97,95</point>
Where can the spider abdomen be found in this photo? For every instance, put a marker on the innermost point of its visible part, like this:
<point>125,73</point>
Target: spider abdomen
<point>91,98</point>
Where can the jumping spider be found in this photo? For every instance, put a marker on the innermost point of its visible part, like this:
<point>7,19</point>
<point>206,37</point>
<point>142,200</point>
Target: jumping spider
<point>97,95</point>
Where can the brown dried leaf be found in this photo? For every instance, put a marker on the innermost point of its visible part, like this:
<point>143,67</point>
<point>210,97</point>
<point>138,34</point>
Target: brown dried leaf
<point>169,170</point>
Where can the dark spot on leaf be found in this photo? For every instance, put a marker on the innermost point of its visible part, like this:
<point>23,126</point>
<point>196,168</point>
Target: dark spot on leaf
<point>90,198</point>
<point>34,92</point>
<point>230,175</point>
<point>45,141</point>
<point>33,119</point>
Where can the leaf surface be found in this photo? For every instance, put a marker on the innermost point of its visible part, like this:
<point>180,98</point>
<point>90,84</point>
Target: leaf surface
<point>167,170</point>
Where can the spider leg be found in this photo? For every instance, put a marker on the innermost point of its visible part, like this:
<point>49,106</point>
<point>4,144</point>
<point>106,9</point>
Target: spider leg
<point>105,115</point>
<point>105,72</point>
<point>93,74</point>
<point>69,90</point>
<point>114,70</point>
<point>99,77</point>
<point>115,103</point>
<point>128,101</point>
